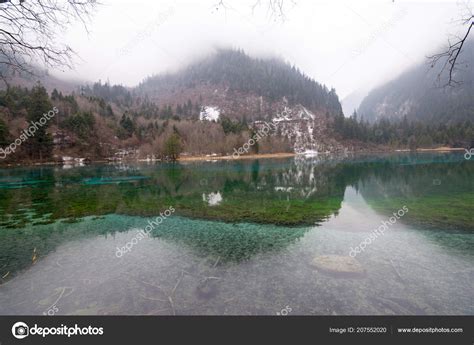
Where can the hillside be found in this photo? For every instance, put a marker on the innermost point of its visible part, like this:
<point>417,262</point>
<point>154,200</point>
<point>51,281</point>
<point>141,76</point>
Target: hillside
<point>213,106</point>
<point>417,94</point>
<point>238,92</point>
<point>230,75</point>
<point>28,80</point>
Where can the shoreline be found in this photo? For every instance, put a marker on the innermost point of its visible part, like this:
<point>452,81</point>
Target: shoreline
<point>292,154</point>
<point>251,156</point>
<point>437,149</point>
<point>217,158</point>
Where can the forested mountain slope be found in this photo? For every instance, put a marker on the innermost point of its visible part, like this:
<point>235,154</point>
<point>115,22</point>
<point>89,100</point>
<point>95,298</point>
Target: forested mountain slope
<point>419,95</point>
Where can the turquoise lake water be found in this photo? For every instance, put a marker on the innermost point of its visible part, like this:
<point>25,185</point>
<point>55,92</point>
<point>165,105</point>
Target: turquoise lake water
<point>241,239</point>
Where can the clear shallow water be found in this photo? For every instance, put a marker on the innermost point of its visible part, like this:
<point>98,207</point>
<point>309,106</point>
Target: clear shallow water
<point>196,263</point>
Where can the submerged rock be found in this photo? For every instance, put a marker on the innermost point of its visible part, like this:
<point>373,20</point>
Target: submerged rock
<point>344,266</point>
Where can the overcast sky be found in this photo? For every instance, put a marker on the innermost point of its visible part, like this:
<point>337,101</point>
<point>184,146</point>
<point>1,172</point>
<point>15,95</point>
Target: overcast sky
<point>349,45</point>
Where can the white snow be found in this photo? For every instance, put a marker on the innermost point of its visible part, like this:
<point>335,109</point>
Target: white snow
<point>307,113</point>
<point>209,113</point>
<point>299,112</point>
<point>212,199</point>
<point>310,153</point>
<point>283,189</point>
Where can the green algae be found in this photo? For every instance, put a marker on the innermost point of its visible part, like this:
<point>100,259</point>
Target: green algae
<point>271,192</point>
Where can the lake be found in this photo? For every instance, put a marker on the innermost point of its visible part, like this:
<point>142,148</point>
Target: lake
<point>244,237</point>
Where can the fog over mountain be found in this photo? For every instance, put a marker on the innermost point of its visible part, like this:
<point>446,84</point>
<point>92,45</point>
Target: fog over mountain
<point>368,44</point>
<point>352,101</point>
<point>420,94</point>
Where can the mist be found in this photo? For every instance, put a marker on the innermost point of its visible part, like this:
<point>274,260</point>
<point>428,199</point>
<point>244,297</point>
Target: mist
<point>345,45</point>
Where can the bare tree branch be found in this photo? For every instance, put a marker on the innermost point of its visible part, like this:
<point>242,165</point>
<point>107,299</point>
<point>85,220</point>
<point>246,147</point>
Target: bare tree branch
<point>29,32</point>
<point>450,57</point>
<point>275,8</point>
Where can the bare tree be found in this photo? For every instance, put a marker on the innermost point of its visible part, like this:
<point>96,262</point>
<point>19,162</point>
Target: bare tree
<point>29,32</point>
<point>275,8</point>
<point>449,58</point>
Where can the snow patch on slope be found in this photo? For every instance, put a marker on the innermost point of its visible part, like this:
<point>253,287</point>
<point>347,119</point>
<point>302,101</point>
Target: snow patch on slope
<point>298,113</point>
<point>212,199</point>
<point>209,113</point>
<point>305,130</point>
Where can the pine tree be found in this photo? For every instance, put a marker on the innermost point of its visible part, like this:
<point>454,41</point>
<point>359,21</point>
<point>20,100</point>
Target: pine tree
<point>55,95</point>
<point>40,145</point>
<point>128,127</point>
<point>3,133</point>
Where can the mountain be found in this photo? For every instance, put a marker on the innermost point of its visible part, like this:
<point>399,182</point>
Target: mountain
<point>233,85</point>
<point>213,106</point>
<point>352,101</point>
<point>220,104</point>
<point>29,80</point>
<point>228,75</point>
<point>419,95</point>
